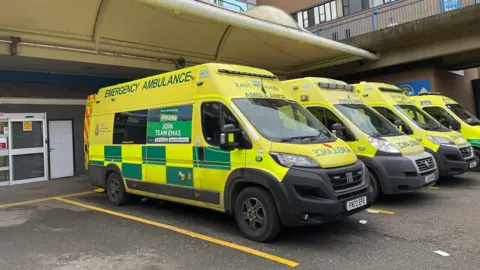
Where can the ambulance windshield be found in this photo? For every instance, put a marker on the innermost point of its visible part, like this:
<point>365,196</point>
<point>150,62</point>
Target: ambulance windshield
<point>281,120</point>
<point>421,119</point>
<point>369,121</point>
<point>464,114</point>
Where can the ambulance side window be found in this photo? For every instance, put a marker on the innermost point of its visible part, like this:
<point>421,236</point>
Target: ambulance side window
<point>387,114</point>
<point>439,114</point>
<point>327,117</point>
<point>130,127</point>
<point>214,116</point>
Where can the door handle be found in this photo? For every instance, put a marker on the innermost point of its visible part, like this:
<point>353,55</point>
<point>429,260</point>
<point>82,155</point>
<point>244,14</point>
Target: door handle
<point>201,153</point>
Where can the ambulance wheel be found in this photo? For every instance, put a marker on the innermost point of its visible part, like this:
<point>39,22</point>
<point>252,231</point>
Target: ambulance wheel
<point>116,190</point>
<point>377,189</point>
<point>256,214</point>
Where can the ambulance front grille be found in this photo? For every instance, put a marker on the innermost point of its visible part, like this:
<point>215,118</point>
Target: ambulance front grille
<point>425,164</point>
<point>346,180</point>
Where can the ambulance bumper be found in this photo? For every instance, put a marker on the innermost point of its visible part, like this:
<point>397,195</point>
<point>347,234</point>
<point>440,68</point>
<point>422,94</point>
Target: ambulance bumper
<point>450,160</point>
<point>401,174</point>
<point>314,198</point>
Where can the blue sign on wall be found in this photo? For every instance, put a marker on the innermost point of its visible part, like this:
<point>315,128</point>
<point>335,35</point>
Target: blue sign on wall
<point>450,5</point>
<point>413,88</point>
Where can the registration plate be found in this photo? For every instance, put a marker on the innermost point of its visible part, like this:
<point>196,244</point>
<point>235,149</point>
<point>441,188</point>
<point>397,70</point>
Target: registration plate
<point>473,164</point>
<point>354,204</point>
<point>429,178</point>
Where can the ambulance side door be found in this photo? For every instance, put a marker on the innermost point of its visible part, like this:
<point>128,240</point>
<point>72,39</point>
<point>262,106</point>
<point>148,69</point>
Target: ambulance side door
<point>212,164</point>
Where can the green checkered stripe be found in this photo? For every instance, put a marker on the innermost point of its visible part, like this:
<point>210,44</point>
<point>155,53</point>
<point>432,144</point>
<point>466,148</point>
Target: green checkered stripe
<point>214,158</point>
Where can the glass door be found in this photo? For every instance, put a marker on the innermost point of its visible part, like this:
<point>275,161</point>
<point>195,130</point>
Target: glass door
<point>28,148</point>
<point>4,158</point>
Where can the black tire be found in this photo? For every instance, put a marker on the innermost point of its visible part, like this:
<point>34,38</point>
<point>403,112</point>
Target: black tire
<point>377,189</point>
<point>116,190</point>
<point>256,214</point>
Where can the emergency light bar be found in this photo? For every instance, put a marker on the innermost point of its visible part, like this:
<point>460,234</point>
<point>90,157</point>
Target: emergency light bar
<point>383,89</point>
<point>226,71</point>
<point>336,86</point>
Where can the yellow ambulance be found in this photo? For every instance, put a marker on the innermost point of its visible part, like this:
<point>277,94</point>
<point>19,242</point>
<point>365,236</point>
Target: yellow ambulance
<point>449,113</point>
<point>395,160</point>
<point>452,153</point>
<point>223,137</point>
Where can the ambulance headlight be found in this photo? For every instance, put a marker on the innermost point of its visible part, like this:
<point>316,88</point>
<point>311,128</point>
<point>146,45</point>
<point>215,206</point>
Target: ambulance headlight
<point>289,160</point>
<point>439,140</point>
<point>383,145</point>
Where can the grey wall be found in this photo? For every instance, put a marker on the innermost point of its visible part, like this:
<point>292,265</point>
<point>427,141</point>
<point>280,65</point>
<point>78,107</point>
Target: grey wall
<point>54,112</point>
<point>75,113</point>
<point>43,90</point>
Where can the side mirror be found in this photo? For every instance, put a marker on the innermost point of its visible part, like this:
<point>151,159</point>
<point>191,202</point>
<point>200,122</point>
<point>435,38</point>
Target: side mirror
<point>454,124</point>
<point>402,127</point>
<point>340,131</point>
<point>230,137</point>
<point>398,123</point>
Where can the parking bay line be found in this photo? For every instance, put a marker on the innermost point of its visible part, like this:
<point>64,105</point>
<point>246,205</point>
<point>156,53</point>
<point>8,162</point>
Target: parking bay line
<point>375,211</point>
<point>434,188</point>
<point>186,232</point>
<point>44,199</point>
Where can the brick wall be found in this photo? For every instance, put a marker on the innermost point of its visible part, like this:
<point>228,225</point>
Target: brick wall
<point>457,87</point>
<point>452,85</point>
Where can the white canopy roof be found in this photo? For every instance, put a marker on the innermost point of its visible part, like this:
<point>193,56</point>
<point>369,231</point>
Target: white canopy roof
<point>154,34</point>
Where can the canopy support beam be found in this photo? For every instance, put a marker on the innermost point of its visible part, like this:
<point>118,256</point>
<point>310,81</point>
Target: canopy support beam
<point>222,42</point>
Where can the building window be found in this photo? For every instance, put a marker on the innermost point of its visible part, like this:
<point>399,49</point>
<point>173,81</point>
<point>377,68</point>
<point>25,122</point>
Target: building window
<point>374,3</point>
<point>322,13</point>
<point>318,14</point>
<point>305,19</point>
<point>328,13</point>
<point>300,18</point>
<point>348,33</point>
<point>333,7</point>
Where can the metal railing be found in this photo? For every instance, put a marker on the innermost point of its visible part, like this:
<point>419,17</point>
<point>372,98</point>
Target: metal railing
<point>391,14</point>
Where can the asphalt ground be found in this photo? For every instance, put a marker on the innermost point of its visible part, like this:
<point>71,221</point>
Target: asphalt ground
<point>63,224</point>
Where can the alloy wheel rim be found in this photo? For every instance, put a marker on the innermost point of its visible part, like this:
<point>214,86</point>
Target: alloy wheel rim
<point>253,214</point>
<point>115,189</point>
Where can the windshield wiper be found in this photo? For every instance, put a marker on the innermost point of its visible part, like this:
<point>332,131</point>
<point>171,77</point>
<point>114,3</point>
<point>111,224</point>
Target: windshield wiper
<point>298,138</point>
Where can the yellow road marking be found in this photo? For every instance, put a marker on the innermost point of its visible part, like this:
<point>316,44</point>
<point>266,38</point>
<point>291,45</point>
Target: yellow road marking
<point>435,188</point>
<point>99,190</point>
<point>380,211</point>
<point>187,232</point>
<point>44,199</point>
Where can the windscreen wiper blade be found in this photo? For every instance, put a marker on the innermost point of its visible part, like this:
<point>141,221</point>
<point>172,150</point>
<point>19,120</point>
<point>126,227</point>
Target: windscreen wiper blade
<point>298,138</point>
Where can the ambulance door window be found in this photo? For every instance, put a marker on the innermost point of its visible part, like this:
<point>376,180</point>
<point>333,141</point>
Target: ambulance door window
<point>387,114</point>
<point>214,116</point>
<point>329,118</point>
<point>440,114</point>
<point>319,113</point>
<point>392,117</point>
